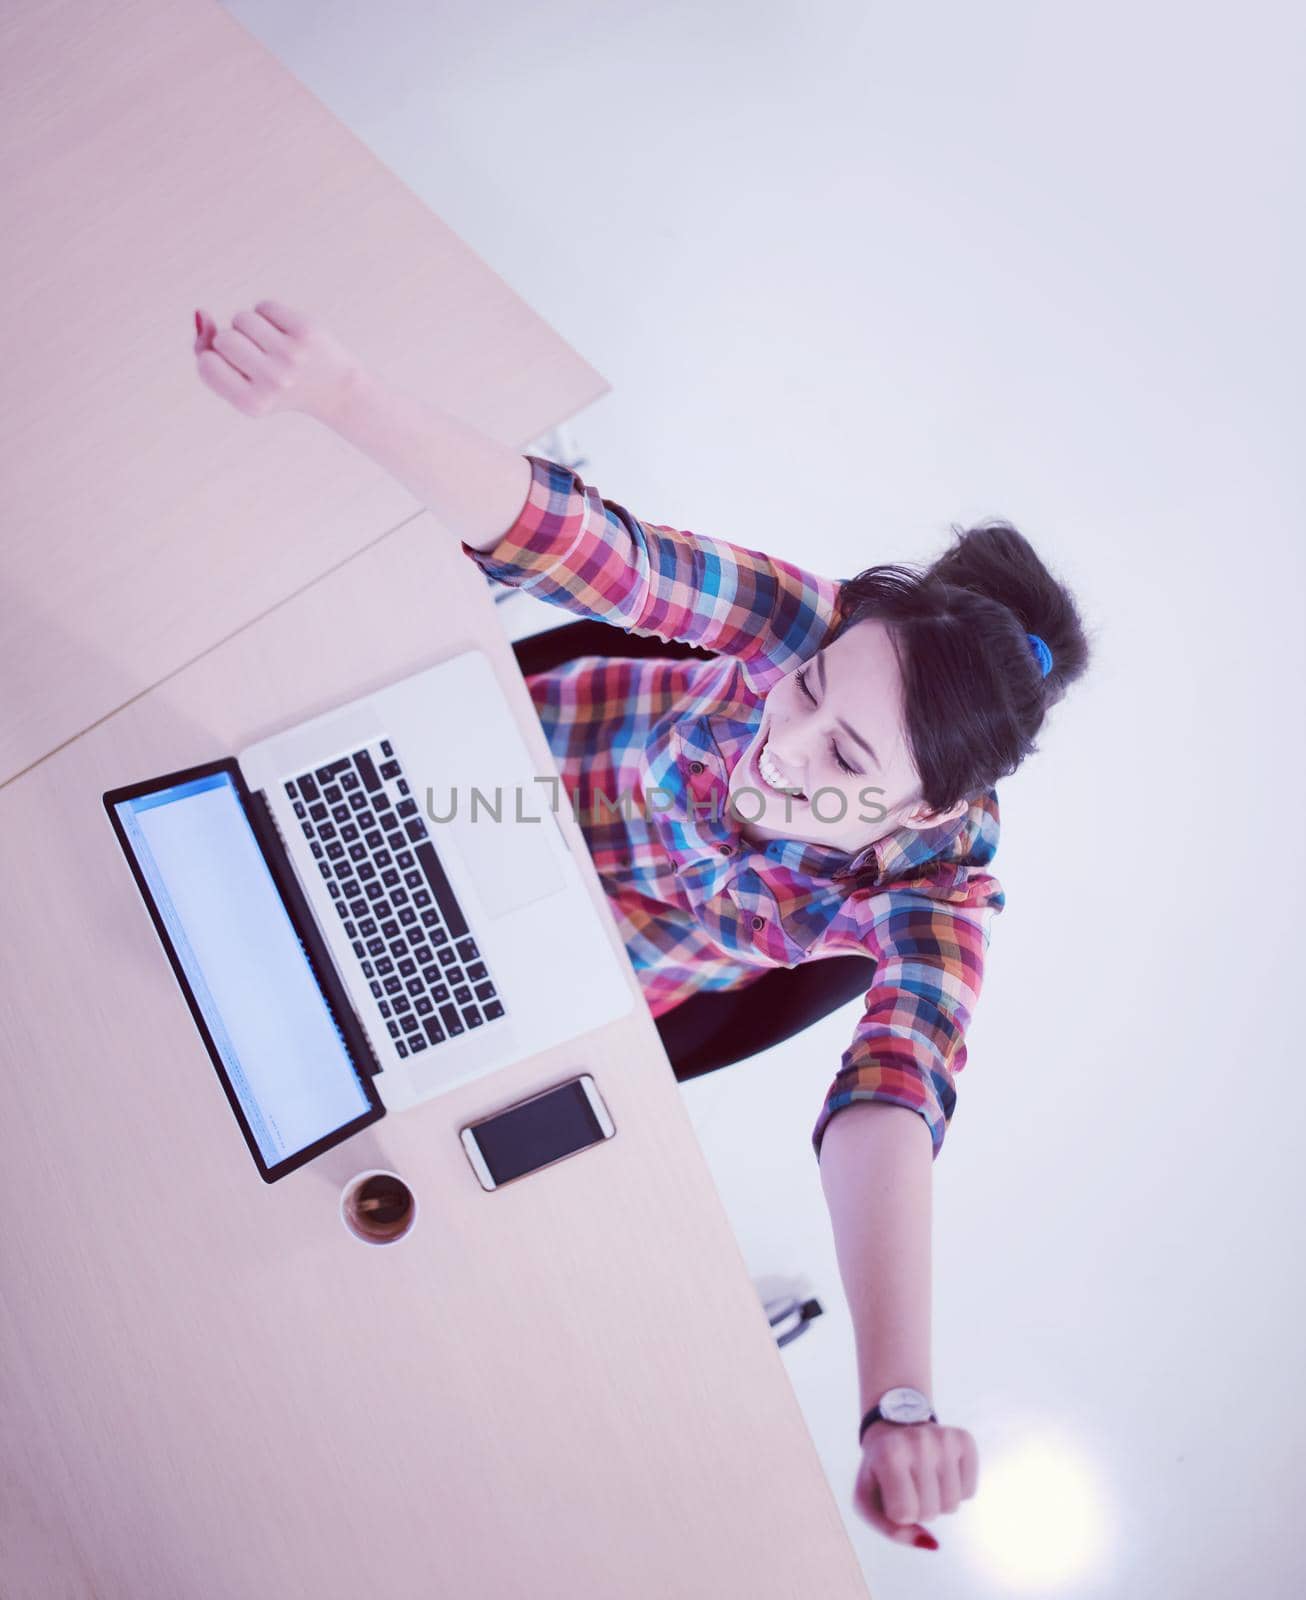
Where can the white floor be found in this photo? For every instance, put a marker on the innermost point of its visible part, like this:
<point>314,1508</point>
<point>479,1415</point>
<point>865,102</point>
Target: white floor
<point>854,274</point>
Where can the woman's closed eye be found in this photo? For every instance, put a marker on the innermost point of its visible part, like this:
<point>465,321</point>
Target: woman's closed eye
<point>801,675</point>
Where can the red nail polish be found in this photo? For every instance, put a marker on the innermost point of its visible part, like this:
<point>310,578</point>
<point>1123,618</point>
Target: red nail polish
<point>926,1541</point>
<point>199,323</point>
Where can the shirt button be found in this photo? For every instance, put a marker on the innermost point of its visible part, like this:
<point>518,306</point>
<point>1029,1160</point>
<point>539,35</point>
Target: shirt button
<point>758,921</point>
<point>696,766</point>
<point>724,849</point>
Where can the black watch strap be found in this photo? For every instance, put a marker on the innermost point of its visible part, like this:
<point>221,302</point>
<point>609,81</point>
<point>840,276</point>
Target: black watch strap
<point>874,1413</point>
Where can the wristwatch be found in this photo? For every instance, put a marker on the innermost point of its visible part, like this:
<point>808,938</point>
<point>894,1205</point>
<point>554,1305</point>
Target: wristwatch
<point>898,1405</point>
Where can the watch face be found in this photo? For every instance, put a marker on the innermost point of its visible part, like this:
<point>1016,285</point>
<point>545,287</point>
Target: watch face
<point>905,1405</point>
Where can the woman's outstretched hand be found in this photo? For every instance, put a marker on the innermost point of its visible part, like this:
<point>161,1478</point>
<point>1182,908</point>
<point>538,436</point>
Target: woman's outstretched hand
<point>910,1473</point>
<point>274,358</point>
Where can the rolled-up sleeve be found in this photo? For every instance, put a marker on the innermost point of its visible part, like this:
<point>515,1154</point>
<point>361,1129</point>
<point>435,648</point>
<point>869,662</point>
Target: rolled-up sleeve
<point>575,549</point>
<point>910,1041</point>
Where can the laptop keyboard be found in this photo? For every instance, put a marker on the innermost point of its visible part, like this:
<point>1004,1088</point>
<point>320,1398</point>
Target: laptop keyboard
<point>373,848</point>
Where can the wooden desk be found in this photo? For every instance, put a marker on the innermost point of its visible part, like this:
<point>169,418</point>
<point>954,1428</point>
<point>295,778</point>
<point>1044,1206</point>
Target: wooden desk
<point>564,1388</point>
<point>156,158</point>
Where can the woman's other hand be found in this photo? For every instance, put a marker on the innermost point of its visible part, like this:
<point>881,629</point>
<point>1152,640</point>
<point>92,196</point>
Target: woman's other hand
<point>274,358</point>
<point>910,1472</point>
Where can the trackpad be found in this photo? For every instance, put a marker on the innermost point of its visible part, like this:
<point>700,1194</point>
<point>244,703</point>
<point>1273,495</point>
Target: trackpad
<point>511,863</point>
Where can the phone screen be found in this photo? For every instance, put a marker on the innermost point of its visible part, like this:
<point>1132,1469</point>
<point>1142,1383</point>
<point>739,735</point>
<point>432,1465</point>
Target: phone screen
<point>537,1132</point>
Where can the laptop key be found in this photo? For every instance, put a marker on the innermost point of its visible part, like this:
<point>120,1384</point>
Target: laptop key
<point>318,812</point>
<point>332,794</point>
<point>467,949</point>
<point>357,852</point>
<point>316,848</point>
<point>349,780</point>
<point>357,800</point>
<point>374,841</point>
<point>423,1004</point>
<point>290,789</point>
<point>387,749</point>
<point>402,1003</point>
<point>364,764</point>
<point>366,870</point>
<point>452,1021</point>
<point>439,992</point>
<point>429,920</point>
<point>474,1018</point>
<point>376,988</point>
<point>384,963</point>
<point>407,808</point>
<point>383,1006</point>
<point>308,788</point>
<point>301,810</point>
<point>348,832</point>
<point>401,1047</point>
<point>476,971</point>
<point>340,813</point>
<point>421,897</point>
<point>440,888</point>
<point>415,987</point>
<point>492,1009</point>
<point>375,947</point>
<point>367,928</point>
<point>462,994</point>
<point>411,1023</point>
<point>439,936</point>
<point>392,985</point>
<point>484,991</point>
<point>407,967</point>
<point>416,1042</point>
<point>391,768</point>
<point>434,1032</point>
<point>392,1028</point>
<point>407,915</point>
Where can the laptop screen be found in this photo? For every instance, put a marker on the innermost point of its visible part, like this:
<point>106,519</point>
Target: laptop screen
<point>283,1054</point>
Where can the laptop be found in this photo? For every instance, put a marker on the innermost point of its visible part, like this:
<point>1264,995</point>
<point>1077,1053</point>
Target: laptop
<point>371,908</point>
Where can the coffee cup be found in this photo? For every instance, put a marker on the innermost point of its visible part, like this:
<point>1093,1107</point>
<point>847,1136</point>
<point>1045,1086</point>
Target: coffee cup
<point>378,1207</point>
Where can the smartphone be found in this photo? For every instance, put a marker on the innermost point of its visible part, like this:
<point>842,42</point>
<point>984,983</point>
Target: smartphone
<point>535,1133</point>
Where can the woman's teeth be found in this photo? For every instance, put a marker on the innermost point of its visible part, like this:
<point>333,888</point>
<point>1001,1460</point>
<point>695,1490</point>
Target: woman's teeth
<point>772,775</point>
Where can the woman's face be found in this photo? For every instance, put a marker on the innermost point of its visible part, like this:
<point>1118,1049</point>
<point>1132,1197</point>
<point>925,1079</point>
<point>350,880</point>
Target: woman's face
<point>831,729</point>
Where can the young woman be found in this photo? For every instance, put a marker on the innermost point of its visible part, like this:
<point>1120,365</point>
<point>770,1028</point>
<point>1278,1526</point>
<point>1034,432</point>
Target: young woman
<point>823,784</point>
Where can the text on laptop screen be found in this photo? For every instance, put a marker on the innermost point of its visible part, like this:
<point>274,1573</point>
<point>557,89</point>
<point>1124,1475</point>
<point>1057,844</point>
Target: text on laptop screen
<point>283,1053</point>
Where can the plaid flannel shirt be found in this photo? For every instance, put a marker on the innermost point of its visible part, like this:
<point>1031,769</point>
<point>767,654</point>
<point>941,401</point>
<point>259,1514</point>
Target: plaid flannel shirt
<point>645,749</point>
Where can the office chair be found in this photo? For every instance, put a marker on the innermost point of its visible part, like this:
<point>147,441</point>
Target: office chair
<point>715,1027</point>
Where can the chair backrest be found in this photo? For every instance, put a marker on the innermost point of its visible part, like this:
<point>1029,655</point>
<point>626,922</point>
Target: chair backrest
<point>715,1027</point>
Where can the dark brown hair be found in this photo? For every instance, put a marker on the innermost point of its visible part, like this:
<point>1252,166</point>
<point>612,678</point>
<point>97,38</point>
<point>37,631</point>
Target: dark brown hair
<point>974,694</point>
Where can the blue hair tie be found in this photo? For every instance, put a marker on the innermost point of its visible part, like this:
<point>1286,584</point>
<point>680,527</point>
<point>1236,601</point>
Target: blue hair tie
<point>1041,651</point>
